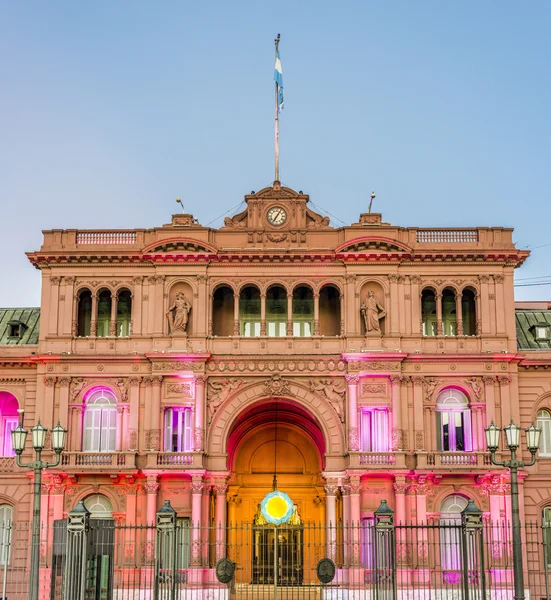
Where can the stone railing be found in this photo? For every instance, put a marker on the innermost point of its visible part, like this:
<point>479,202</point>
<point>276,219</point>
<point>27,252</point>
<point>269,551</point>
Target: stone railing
<point>377,460</point>
<point>7,464</point>
<point>96,461</point>
<point>172,460</point>
<point>453,460</point>
<point>447,236</point>
<point>106,237</point>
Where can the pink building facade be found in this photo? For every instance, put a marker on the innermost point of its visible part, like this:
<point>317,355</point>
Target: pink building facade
<point>372,356</point>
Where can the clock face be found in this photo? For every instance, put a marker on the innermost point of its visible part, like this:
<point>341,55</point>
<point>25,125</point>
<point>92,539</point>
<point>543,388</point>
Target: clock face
<point>276,215</point>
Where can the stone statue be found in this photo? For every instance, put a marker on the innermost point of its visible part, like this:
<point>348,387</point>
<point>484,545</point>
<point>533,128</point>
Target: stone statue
<point>220,391</point>
<point>372,312</point>
<point>333,390</point>
<point>178,314</point>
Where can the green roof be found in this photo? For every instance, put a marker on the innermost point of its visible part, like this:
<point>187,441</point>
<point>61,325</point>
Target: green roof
<point>526,320</point>
<point>29,317</point>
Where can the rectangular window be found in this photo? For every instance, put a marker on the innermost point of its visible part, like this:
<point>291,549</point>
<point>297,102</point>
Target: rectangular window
<point>178,430</point>
<point>374,430</point>
<point>10,423</point>
<point>454,430</point>
<point>250,328</point>
<point>276,328</point>
<point>545,439</point>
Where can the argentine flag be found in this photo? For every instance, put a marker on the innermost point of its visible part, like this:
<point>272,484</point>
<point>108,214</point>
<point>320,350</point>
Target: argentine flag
<point>278,76</point>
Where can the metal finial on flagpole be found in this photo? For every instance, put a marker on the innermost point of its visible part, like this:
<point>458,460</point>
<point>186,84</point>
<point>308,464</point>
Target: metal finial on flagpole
<point>371,201</point>
<point>179,201</point>
<point>277,115</point>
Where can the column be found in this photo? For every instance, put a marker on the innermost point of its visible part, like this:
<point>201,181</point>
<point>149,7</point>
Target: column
<point>67,308</point>
<point>199,431</point>
<point>476,428</point>
<point>94,316</point>
<point>113,319</point>
<point>137,306</point>
<point>200,318</point>
<point>347,524</point>
<point>506,408</point>
<point>125,429</point>
<point>430,446</point>
<point>134,413</point>
<point>221,490</point>
<point>489,384</point>
<point>351,312</point>
<point>331,517</point>
<point>118,441</point>
<point>235,314</point>
<point>353,433</point>
<point>262,314</point>
<point>416,317</point>
<point>500,303</point>
<point>47,414</point>
<point>394,310</point>
<point>151,488</point>
<point>409,299</point>
<point>54,305</point>
<point>63,410</point>
<point>316,314</point>
<point>483,307</point>
<point>439,326</point>
<point>459,314</point>
<point>289,314</point>
<point>196,500</point>
<point>419,442</point>
<point>155,414</point>
<point>355,517</point>
<point>397,437</point>
<point>400,487</point>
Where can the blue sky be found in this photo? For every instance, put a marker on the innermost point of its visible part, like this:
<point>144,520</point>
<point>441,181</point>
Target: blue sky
<point>110,110</point>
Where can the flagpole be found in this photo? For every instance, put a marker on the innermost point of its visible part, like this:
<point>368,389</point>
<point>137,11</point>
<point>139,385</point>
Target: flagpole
<point>276,117</point>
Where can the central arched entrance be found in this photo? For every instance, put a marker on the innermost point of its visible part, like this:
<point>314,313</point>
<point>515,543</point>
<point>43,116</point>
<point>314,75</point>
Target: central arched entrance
<point>275,434</point>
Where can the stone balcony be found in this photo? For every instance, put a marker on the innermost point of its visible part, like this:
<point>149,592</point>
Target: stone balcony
<point>377,461</point>
<point>174,460</point>
<point>97,462</point>
<point>456,461</point>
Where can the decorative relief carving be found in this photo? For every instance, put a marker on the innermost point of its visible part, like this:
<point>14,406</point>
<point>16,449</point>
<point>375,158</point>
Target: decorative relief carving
<point>276,237</point>
<point>261,364</point>
<point>352,379</point>
<point>373,366</point>
<point>50,381</point>
<point>276,386</point>
<point>153,439</point>
<point>373,389</point>
<point>183,389</point>
<point>178,366</point>
<point>333,390</point>
<point>133,439</point>
<point>354,439</point>
<point>219,391</point>
<point>429,385</point>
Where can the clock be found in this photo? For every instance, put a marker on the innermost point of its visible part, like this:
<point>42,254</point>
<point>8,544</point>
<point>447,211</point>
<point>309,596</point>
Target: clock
<point>276,215</point>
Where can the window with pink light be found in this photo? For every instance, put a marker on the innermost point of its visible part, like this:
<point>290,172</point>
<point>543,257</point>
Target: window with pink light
<point>8,421</point>
<point>100,421</point>
<point>374,430</point>
<point>453,422</point>
<point>178,430</point>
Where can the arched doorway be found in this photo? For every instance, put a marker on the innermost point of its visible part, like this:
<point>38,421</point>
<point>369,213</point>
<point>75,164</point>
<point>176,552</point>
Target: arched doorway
<point>274,435</point>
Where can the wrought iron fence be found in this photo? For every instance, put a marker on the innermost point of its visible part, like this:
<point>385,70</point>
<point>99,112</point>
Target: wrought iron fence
<point>84,559</point>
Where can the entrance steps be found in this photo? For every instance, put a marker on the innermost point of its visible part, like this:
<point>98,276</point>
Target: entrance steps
<point>250,591</point>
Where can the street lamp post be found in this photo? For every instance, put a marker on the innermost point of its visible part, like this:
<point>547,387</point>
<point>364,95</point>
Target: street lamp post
<point>512,433</point>
<point>19,437</point>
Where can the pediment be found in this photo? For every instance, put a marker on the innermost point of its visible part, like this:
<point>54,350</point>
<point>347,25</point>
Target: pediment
<point>372,244</point>
<point>277,192</point>
<point>184,245</point>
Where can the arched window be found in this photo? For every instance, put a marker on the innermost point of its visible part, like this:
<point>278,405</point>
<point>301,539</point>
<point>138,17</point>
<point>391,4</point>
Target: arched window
<point>453,421</point>
<point>124,312</point>
<point>100,506</point>
<point>544,423</point>
<point>276,312</point>
<point>450,533</point>
<point>104,313</point>
<point>468,311</point>
<point>303,311</point>
<point>84,317</point>
<point>249,311</point>
<point>449,317</point>
<point>330,311</point>
<point>8,421</point>
<point>222,311</point>
<point>6,518</point>
<point>100,422</point>
<point>428,309</point>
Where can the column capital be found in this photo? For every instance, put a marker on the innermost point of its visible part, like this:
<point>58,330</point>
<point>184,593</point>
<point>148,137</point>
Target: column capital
<point>352,379</point>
